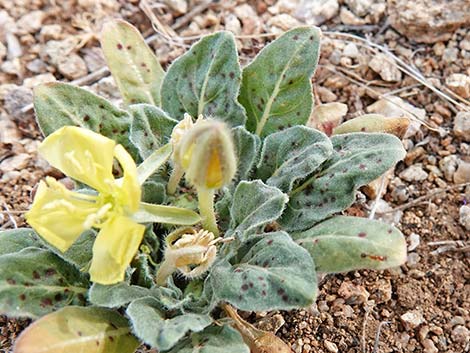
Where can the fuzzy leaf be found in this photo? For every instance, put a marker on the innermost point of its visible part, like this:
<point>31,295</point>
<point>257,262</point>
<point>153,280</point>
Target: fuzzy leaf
<point>14,240</point>
<point>276,90</point>
<point>344,243</point>
<point>81,251</point>
<point>153,162</point>
<point>150,129</point>
<point>247,148</point>
<point>116,295</point>
<point>151,326</point>
<point>268,272</point>
<point>205,80</point>
<point>292,154</point>
<point>374,123</point>
<point>60,104</point>
<point>77,329</point>
<point>358,159</point>
<point>134,66</point>
<point>214,339</point>
<point>153,192</point>
<point>255,205</point>
<point>34,282</point>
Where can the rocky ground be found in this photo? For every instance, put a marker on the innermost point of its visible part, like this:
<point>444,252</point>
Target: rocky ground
<point>395,57</point>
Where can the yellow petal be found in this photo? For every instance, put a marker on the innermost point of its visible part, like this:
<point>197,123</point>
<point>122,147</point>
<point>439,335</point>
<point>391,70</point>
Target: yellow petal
<point>129,184</point>
<point>113,250</point>
<point>82,155</point>
<point>58,215</point>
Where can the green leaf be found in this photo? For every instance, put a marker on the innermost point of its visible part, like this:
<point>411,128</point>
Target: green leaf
<point>14,240</point>
<point>268,272</point>
<point>276,90</point>
<point>255,205</point>
<point>152,326</point>
<point>81,251</point>
<point>134,66</point>
<point>60,104</point>
<point>247,147</point>
<point>205,80</point>
<point>116,295</point>
<point>153,162</point>
<point>153,192</point>
<point>358,159</point>
<point>214,339</point>
<point>165,214</point>
<point>344,243</point>
<point>76,329</point>
<point>34,282</point>
<point>292,154</point>
<point>151,128</point>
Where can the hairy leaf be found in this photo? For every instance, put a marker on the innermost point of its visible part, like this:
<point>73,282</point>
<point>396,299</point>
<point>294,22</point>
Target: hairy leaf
<point>358,159</point>
<point>150,129</point>
<point>77,329</point>
<point>116,295</point>
<point>165,214</point>
<point>60,104</point>
<point>153,162</point>
<point>247,148</point>
<point>214,339</point>
<point>255,205</point>
<point>14,240</point>
<point>34,282</point>
<point>292,154</point>
<point>276,90</point>
<point>152,326</point>
<point>134,66</point>
<point>344,243</point>
<point>374,123</point>
<point>206,81</point>
<point>268,272</point>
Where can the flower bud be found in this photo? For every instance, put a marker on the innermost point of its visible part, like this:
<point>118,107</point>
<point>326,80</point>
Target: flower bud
<point>207,155</point>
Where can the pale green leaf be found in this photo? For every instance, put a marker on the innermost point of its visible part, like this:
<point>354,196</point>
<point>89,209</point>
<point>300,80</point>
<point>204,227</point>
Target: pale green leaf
<point>165,214</point>
<point>13,240</point>
<point>247,147</point>
<point>205,80</point>
<point>134,66</point>
<point>344,243</point>
<point>153,162</point>
<point>276,90</point>
<point>76,329</point>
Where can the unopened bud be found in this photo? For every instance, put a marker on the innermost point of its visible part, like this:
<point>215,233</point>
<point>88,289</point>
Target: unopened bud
<point>207,155</point>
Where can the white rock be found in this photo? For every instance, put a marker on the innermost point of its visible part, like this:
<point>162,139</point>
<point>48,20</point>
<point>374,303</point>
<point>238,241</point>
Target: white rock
<point>17,98</point>
<point>385,214</point>
<point>330,346</point>
<point>250,19</point>
<point>33,81</point>
<point>14,46</point>
<point>351,51</point>
<point>325,117</point>
<point>17,162</point>
<point>348,17</point>
<point>48,32</point>
<point>460,84</point>
<point>232,24</point>
<point>464,214</point>
<point>72,66</point>
<point>414,241</point>
<point>3,51</point>
<point>448,166</point>
<point>460,334</point>
<point>316,12</point>
<point>385,66</point>
<point>462,125</point>
<point>179,6</point>
<point>429,346</point>
<point>414,173</point>
<point>393,107</point>
<point>359,7</point>
<point>284,21</point>
<point>412,319</point>
<point>31,22</point>
<point>462,174</point>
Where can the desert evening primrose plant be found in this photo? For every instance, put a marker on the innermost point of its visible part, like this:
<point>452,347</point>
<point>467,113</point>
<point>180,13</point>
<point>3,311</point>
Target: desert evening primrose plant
<point>204,194</point>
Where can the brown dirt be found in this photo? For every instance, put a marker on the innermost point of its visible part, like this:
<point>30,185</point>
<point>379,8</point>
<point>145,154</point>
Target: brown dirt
<point>350,307</point>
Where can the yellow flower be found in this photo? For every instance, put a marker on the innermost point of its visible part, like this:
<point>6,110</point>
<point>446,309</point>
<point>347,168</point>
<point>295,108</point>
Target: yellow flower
<point>60,215</point>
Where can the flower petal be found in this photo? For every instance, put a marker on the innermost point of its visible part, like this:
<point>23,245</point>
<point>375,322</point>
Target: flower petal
<point>58,214</point>
<point>129,183</point>
<point>82,155</point>
<point>113,250</point>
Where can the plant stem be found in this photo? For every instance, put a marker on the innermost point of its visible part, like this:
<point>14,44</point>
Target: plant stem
<point>164,271</point>
<point>175,177</point>
<point>206,208</point>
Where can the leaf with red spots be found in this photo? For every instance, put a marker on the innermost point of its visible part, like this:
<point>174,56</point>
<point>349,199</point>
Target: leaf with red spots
<point>155,327</point>
<point>214,339</point>
<point>60,104</point>
<point>35,282</point>
<point>357,159</point>
<point>349,243</point>
<point>268,272</point>
<point>292,154</point>
<point>276,89</point>
<point>134,66</point>
<point>255,205</point>
<point>374,123</point>
<point>205,80</point>
<point>77,329</point>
